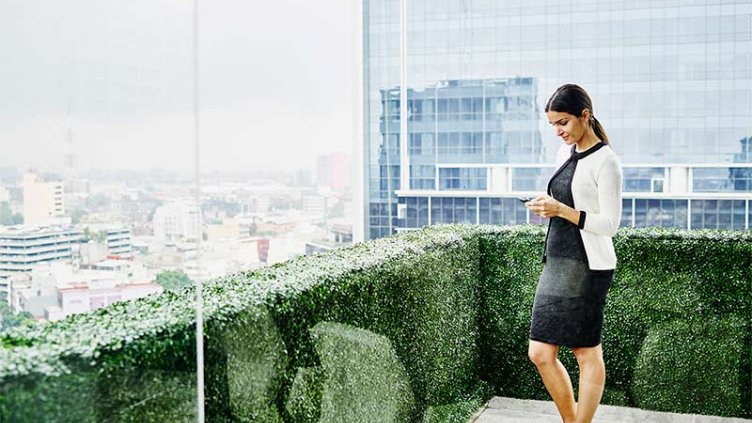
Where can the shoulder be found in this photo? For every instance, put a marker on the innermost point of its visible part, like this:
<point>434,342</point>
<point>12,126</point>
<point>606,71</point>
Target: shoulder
<point>608,160</point>
<point>605,154</point>
<point>610,156</point>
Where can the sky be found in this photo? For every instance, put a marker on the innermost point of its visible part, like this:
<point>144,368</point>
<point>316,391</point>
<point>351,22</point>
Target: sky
<point>112,83</point>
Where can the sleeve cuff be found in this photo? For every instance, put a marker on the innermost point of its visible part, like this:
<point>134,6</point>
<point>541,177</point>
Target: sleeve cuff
<point>581,222</point>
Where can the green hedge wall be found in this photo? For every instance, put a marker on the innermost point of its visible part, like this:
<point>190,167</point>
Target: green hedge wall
<point>454,302</point>
<point>364,381</point>
<point>133,359</point>
<point>703,357</point>
<point>304,400</point>
<point>663,277</point>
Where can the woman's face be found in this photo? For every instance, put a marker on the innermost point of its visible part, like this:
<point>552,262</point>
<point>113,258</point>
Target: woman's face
<point>569,127</point>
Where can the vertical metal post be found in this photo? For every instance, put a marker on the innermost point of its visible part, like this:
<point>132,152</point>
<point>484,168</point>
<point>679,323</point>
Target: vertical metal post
<point>199,281</point>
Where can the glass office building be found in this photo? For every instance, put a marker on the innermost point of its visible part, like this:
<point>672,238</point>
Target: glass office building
<point>671,81</point>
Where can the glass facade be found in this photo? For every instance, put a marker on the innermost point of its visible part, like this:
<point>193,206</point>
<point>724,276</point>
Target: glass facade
<point>644,179</point>
<point>720,214</point>
<point>463,178</point>
<point>669,80</point>
<point>722,179</point>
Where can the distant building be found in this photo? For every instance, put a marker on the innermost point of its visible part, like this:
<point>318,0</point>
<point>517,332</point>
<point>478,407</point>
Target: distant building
<point>21,248</point>
<point>340,235</point>
<point>43,201</point>
<point>230,229</point>
<point>119,241</point>
<point>169,257</point>
<point>86,297</point>
<point>4,195</point>
<point>92,252</point>
<point>116,238</point>
<point>17,283</point>
<point>314,204</point>
<point>258,204</point>
<point>52,291</point>
<point>177,222</point>
<point>302,178</point>
<point>333,171</point>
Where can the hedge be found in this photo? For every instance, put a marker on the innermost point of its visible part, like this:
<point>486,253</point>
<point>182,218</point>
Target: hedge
<point>453,301</point>
<point>663,276</point>
<point>304,401</point>
<point>365,380</point>
<point>702,356</point>
<point>363,286</point>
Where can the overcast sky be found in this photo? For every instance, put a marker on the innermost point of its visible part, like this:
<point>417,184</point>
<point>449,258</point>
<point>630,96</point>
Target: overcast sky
<point>274,83</point>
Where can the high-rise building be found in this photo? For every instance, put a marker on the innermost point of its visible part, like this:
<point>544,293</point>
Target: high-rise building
<point>43,201</point>
<point>670,82</point>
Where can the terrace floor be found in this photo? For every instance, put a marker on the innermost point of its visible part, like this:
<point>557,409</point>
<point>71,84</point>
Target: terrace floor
<point>512,410</point>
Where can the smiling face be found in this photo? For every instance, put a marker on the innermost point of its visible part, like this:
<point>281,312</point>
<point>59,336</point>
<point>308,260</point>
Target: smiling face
<point>569,127</point>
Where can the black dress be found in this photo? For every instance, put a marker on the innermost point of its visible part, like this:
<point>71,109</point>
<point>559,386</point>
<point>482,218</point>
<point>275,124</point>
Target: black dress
<point>569,299</point>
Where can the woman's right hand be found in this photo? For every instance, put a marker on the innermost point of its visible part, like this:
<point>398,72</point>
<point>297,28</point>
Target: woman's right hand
<point>544,206</point>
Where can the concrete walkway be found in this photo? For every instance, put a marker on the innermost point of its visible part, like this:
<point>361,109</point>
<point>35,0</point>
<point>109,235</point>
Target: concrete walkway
<point>511,410</point>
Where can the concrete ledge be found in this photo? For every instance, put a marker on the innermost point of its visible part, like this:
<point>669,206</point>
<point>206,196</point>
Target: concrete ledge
<point>508,410</point>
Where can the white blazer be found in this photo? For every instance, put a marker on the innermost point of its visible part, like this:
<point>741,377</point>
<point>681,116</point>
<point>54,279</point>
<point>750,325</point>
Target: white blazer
<point>596,191</point>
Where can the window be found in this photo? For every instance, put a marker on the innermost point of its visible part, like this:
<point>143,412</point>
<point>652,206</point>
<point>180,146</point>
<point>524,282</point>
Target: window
<point>722,179</point>
<point>463,178</point>
<point>664,213</point>
<point>643,179</point>
<point>422,176</point>
<point>421,144</point>
<point>718,214</point>
<point>416,212</point>
<point>529,179</point>
<point>453,210</point>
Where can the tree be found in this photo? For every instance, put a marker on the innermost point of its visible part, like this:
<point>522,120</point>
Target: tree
<point>7,217</point>
<point>9,319</point>
<point>76,215</point>
<point>173,279</point>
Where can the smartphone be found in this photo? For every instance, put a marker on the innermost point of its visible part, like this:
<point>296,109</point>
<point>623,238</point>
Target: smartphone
<point>525,199</point>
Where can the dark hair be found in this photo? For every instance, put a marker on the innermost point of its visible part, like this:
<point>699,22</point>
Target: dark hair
<point>572,99</point>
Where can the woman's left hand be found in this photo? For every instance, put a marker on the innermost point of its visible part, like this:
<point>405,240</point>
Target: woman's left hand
<point>544,206</point>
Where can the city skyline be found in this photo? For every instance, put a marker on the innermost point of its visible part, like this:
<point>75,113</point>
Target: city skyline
<point>120,80</point>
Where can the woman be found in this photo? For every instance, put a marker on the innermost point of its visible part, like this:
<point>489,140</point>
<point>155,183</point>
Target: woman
<point>584,207</point>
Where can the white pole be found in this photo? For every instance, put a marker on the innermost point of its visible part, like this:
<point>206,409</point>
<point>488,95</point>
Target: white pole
<point>199,279</point>
<point>357,91</point>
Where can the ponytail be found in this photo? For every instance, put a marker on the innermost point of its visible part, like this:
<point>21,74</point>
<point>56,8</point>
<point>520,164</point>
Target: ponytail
<point>599,132</point>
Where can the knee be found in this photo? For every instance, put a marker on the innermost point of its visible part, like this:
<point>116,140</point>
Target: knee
<point>541,357</point>
<point>588,356</point>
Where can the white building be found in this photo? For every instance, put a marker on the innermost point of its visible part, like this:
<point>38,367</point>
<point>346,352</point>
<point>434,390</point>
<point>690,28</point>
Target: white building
<point>55,290</point>
<point>177,222</point>
<point>314,204</point>
<point>22,247</point>
<point>43,201</point>
<point>86,297</point>
<point>231,229</point>
<point>4,195</point>
<point>116,238</point>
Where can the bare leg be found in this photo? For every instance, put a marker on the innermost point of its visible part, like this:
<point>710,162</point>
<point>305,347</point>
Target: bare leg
<point>592,381</point>
<point>555,378</point>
